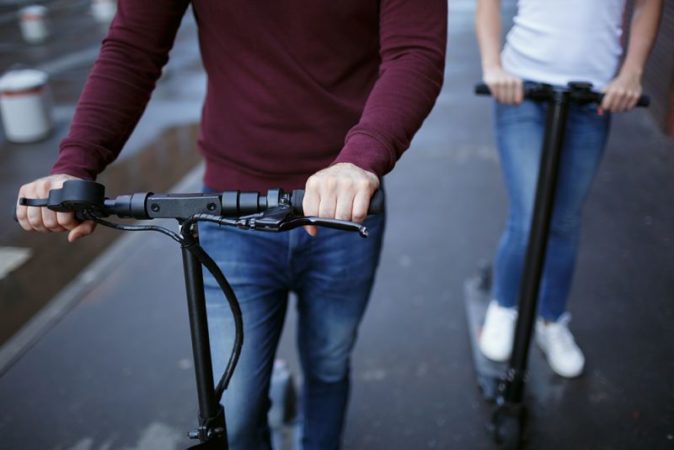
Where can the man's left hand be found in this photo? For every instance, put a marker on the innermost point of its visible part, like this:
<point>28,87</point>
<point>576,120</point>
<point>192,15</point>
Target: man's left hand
<point>342,191</point>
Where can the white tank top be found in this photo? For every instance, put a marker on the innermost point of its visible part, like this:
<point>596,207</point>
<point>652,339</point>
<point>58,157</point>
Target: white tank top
<point>557,41</point>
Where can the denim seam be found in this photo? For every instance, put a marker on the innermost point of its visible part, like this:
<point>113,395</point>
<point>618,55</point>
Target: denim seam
<point>289,258</point>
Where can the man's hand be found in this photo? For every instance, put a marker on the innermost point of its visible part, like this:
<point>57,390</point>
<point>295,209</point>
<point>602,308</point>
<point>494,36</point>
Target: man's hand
<point>342,191</point>
<point>504,87</point>
<point>44,219</point>
<point>623,93</point>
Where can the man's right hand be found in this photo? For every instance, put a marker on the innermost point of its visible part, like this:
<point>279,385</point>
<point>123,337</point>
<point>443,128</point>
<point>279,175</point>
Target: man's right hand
<point>44,219</point>
<point>504,87</point>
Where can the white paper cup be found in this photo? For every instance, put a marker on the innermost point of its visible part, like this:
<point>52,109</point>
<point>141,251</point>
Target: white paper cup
<point>25,106</point>
<point>103,10</point>
<point>33,24</point>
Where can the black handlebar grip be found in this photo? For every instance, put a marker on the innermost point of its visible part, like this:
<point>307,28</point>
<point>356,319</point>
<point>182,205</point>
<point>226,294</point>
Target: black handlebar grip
<point>644,101</point>
<point>377,202</point>
<point>482,89</point>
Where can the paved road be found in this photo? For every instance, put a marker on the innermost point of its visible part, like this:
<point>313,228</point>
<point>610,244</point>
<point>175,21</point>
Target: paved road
<point>159,152</point>
<point>115,371</point>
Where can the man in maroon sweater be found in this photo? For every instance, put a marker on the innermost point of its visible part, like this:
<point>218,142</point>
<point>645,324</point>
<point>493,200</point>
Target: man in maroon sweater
<point>321,95</point>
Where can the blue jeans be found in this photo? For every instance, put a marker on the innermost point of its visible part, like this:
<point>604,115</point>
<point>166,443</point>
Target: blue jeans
<point>332,275</point>
<point>520,131</point>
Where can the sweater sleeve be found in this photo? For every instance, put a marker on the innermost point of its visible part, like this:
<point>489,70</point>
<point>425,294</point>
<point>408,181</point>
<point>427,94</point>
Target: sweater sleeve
<point>413,35</point>
<point>119,85</point>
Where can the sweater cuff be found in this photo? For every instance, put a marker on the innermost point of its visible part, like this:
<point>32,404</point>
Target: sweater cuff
<point>368,153</point>
<point>77,162</point>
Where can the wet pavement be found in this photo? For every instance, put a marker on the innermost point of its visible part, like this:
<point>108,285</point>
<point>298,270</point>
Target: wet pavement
<point>158,154</point>
<point>107,365</point>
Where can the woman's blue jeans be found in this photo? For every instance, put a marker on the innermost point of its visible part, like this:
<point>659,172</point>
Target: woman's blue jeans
<point>332,275</point>
<point>519,131</point>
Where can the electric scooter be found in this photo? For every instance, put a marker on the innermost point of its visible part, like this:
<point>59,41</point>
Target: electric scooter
<point>274,212</point>
<point>502,383</point>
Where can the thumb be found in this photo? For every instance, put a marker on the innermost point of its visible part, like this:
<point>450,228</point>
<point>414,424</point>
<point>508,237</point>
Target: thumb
<point>81,230</point>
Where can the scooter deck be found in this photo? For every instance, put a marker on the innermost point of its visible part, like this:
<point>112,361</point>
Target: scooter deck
<point>476,298</point>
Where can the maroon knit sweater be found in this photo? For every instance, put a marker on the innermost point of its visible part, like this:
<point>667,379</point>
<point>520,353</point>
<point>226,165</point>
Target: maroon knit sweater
<point>293,85</point>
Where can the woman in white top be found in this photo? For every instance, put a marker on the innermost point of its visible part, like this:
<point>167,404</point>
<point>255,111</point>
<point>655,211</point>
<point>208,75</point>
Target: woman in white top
<point>554,42</point>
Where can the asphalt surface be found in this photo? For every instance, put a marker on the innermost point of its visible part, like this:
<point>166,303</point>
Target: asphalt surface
<point>158,154</point>
<point>110,366</point>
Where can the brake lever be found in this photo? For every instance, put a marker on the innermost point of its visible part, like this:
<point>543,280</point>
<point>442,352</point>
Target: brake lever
<point>282,218</point>
<point>37,202</point>
<point>344,225</point>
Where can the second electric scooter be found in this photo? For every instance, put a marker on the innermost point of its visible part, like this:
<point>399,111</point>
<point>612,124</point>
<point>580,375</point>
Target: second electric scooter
<point>505,383</point>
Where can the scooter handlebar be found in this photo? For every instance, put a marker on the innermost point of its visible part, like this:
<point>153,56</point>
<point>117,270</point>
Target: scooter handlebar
<point>580,92</point>
<point>79,196</point>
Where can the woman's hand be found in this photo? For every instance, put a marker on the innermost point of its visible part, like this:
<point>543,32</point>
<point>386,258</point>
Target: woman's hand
<point>504,87</point>
<point>623,93</point>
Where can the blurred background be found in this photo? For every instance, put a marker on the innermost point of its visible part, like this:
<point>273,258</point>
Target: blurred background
<point>95,346</point>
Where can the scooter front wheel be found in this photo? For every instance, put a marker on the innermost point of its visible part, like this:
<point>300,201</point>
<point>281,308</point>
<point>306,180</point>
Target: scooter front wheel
<point>507,426</point>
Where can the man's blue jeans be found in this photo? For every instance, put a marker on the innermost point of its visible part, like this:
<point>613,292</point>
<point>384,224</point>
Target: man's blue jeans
<point>332,275</point>
<point>520,131</point>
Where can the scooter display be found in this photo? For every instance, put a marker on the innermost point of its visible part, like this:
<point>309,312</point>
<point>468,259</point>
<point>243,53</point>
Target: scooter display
<point>503,383</point>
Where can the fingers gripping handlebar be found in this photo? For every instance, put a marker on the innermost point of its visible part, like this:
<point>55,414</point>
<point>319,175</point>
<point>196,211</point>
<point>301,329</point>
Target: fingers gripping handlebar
<point>377,202</point>
<point>579,92</point>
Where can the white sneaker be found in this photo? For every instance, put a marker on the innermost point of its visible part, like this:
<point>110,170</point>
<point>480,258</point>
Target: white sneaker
<point>496,339</point>
<point>563,354</point>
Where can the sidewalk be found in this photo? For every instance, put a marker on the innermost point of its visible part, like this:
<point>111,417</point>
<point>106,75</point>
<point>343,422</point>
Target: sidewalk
<point>115,370</point>
<point>161,149</point>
